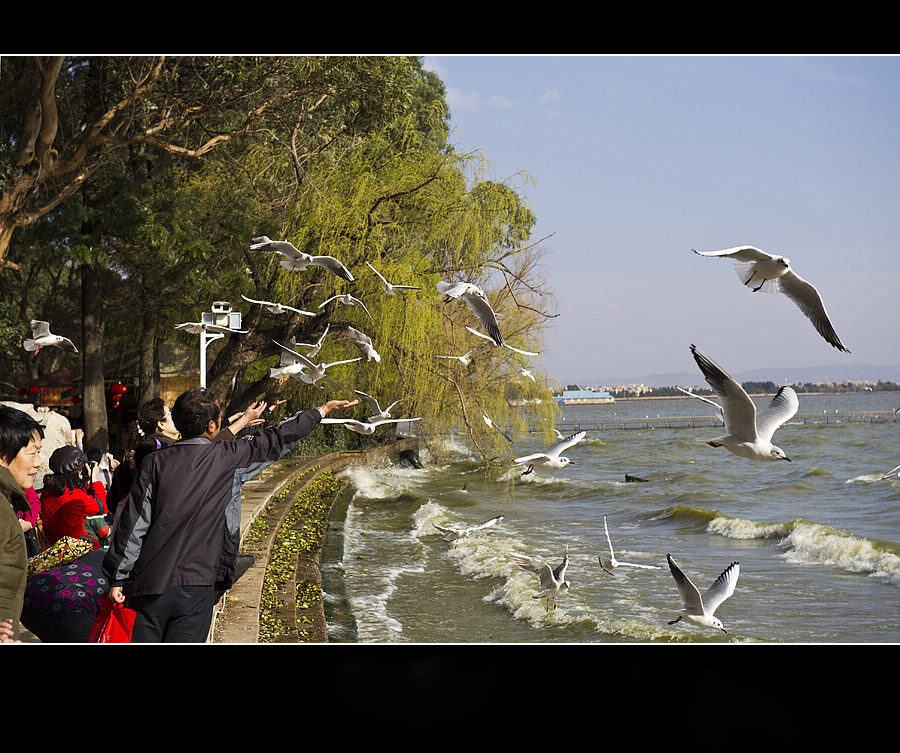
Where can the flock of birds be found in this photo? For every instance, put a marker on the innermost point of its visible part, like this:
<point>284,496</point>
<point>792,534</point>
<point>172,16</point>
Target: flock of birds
<point>748,433</point>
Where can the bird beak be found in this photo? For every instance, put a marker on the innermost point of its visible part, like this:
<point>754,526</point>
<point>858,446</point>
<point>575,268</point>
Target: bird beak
<point>724,630</point>
<point>788,459</point>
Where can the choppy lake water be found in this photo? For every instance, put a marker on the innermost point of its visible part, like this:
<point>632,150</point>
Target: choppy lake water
<point>818,539</point>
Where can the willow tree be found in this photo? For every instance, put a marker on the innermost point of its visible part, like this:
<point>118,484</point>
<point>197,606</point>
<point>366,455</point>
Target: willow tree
<point>418,215</point>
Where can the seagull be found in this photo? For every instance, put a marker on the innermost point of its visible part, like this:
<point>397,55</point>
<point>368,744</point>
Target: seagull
<point>364,343</point>
<point>705,400</point>
<point>388,287</point>
<point>348,300</point>
<point>195,328</point>
<point>698,609</point>
<point>527,373</point>
<point>502,344</point>
<point>773,274</point>
<point>278,308</point>
<point>478,302</point>
<point>302,364</point>
<point>893,473</point>
<point>747,434</point>
<point>297,260</point>
<point>42,338</point>
<point>466,358</point>
<point>611,563</point>
<point>553,582</point>
<point>490,423</point>
<point>377,412</point>
<point>365,427</point>
<point>315,347</point>
<point>551,457</point>
<point>452,535</point>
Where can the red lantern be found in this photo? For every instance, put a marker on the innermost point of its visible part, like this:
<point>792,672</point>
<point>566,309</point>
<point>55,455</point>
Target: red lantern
<point>116,391</point>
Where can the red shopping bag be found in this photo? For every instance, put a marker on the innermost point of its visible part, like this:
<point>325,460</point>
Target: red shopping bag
<point>113,624</point>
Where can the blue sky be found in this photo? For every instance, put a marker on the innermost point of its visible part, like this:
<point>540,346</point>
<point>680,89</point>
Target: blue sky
<point>635,160</point>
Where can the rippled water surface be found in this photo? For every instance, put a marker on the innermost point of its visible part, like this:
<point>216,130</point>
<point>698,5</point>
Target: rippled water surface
<point>818,539</point>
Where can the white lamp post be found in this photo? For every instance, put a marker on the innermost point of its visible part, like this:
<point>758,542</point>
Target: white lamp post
<point>212,326</point>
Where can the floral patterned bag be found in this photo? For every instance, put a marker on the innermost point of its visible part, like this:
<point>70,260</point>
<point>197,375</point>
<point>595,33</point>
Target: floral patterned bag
<point>62,552</point>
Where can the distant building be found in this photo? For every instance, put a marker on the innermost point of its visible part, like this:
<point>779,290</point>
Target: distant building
<point>584,397</point>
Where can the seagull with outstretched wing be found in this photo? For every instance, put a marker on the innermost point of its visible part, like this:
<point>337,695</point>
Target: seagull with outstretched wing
<point>552,457</point>
<point>553,582</point>
<point>699,608</point>
<point>389,288</point>
<point>278,308</point>
<point>453,535</point>
<point>297,261</point>
<point>41,337</point>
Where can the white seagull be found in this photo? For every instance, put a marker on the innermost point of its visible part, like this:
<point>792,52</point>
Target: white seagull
<point>607,564</point>
<point>466,358</point>
<point>195,328</point>
<point>347,300</point>
<point>527,373</point>
<point>501,344</point>
<point>551,457</point>
<point>893,473</point>
<point>297,260</point>
<point>364,343</point>
<point>315,347</point>
<point>490,423</point>
<point>365,427</point>
<point>388,287</point>
<point>477,301</point>
<point>278,308</point>
<point>452,535</point>
<point>376,411</point>
<point>773,274</point>
<point>713,403</point>
<point>553,582</point>
<point>699,608</point>
<point>302,365</point>
<point>747,434</point>
<point>42,338</point>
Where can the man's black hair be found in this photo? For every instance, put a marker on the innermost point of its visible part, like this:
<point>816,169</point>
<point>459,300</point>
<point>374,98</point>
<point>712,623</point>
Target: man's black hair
<point>193,410</point>
<point>17,429</point>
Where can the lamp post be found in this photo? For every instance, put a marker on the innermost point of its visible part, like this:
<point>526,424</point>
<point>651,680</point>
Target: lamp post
<point>212,326</point>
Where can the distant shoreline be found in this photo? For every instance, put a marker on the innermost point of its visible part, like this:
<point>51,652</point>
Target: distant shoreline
<point>754,394</point>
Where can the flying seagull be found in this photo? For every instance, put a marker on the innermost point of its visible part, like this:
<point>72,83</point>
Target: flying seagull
<point>376,411</point>
<point>607,564</point>
<point>42,338</point>
<point>302,365</point>
<point>551,457</point>
<point>747,434</point>
<point>466,358</point>
<point>553,582</point>
<point>490,423</point>
<point>348,300</point>
<point>527,373</point>
<point>364,343</point>
<point>893,473</point>
<point>297,260</point>
<point>278,308</point>
<point>773,274</point>
<point>365,427</point>
<point>501,345</point>
<point>388,287</point>
<point>699,608</point>
<point>315,347</point>
<point>452,535</point>
<point>195,328</point>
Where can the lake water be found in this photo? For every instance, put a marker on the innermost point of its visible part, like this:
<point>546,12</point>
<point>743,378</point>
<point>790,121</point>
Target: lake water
<point>818,539</point>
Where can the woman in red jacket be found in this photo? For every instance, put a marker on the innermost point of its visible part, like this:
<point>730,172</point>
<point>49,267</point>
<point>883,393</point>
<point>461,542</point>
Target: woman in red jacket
<point>73,500</point>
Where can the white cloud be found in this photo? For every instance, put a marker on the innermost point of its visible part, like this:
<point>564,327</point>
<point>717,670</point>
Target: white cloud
<point>550,95</point>
<point>501,102</point>
<point>460,100</point>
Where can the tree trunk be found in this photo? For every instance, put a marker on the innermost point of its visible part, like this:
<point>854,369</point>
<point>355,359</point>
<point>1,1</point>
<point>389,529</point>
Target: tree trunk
<point>96,430</point>
<point>150,381</point>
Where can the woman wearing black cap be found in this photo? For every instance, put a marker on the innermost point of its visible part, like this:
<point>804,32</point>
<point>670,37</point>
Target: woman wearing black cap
<point>72,498</point>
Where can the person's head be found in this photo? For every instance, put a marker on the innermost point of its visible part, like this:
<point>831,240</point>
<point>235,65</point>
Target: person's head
<point>20,445</point>
<point>68,469</point>
<point>153,417</point>
<point>196,412</point>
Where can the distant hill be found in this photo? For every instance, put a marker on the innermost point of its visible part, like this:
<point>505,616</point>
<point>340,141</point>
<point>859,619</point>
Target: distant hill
<point>779,375</point>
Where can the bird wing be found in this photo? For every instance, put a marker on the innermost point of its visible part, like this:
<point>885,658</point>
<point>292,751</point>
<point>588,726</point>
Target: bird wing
<point>782,408</point>
<point>559,572</point>
<point>299,311</point>
<point>606,531</point>
<point>300,357</point>
<point>285,248</point>
<point>253,300</point>
<point>690,596</point>
<point>700,397</point>
<point>738,409</point>
<point>66,344</point>
<point>336,363</point>
<point>523,352</point>
<point>327,300</point>
<point>739,253</point>
<point>487,524</point>
<point>479,304</point>
<point>452,289</point>
<point>810,303</point>
<point>370,401</point>
<point>359,337</point>
<point>571,440</point>
<point>531,458</point>
<point>380,276</point>
<point>891,473</point>
<point>541,569</point>
<point>722,588</point>
<point>333,265</point>
<point>192,327</point>
<point>39,328</point>
<point>359,303</point>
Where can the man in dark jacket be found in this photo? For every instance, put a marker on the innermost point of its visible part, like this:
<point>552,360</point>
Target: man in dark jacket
<point>178,534</point>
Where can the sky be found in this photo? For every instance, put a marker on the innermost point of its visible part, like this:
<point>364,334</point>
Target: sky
<point>633,161</point>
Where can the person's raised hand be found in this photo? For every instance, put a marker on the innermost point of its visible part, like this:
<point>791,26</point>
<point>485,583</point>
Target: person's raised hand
<point>333,405</point>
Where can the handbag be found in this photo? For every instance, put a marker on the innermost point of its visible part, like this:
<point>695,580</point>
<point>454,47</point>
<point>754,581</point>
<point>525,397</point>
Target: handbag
<point>61,553</point>
<point>113,624</point>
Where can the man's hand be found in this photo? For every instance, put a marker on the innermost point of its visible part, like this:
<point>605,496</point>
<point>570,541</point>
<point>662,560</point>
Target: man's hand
<point>333,405</point>
<point>115,595</point>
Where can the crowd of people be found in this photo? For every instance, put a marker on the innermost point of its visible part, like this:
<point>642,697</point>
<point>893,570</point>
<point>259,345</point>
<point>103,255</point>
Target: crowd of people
<point>158,531</point>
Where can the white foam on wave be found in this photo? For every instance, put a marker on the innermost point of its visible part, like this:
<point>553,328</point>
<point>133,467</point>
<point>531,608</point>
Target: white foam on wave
<point>816,543</point>
<point>386,482</point>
